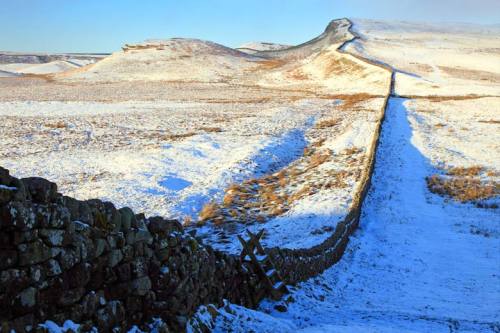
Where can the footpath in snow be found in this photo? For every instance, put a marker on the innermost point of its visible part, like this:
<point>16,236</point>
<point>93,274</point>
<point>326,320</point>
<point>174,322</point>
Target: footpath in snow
<point>414,265</point>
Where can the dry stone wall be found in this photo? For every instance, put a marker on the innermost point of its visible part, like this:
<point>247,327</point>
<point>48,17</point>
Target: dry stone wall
<point>104,267</point>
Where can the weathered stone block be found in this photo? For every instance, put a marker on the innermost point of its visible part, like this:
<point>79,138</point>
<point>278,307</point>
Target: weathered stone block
<point>41,190</point>
<point>25,301</point>
<point>140,286</point>
<point>128,218</point>
<point>54,237</point>
<point>68,258</point>
<point>100,246</point>
<point>52,268</point>
<point>114,257</point>
<point>123,272</point>
<point>8,258</point>
<point>111,315</point>
<point>13,279</point>
<point>33,253</point>
<point>71,296</point>
<point>17,215</point>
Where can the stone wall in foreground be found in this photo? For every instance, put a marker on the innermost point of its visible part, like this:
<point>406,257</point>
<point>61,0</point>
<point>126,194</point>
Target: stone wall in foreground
<point>87,261</point>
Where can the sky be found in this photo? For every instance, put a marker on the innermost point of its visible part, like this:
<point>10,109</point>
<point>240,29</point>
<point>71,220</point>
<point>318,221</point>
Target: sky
<point>106,25</point>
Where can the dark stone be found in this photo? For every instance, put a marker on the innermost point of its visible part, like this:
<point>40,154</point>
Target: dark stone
<point>123,272</point>
<point>41,190</point>
<point>25,301</point>
<point>79,275</point>
<point>128,218</point>
<point>140,286</point>
<point>33,253</point>
<point>13,280</point>
<point>8,258</point>
<point>280,307</point>
<point>110,316</point>
<point>71,296</point>
<point>17,215</point>
<point>159,225</point>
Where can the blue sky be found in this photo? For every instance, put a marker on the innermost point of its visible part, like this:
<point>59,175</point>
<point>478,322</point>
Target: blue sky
<point>105,25</point>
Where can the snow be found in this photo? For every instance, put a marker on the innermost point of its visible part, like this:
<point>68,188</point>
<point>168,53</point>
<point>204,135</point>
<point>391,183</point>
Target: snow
<point>54,328</point>
<point>176,59</point>
<point>121,152</point>
<point>261,46</point>
<point>331,72</point>
<point>457,133</point>
<point>413,266</point>
<point>45,68</point>
<point>433,59</point>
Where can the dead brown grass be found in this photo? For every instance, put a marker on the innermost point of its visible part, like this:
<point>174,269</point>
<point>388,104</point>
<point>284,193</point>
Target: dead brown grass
<point>327,123</point>
<point>318,143</point>
<point>351,102</point>
<point>352,151</point>
<point>471,74</point>
<point>299,75</point>
<point>209,211</point>
<point>269,64</point>
<point>463,189</point>
<point>491,121</point>
<point>58,124</point>
<point>474,170</point>
<point>319,158</point>
<point>211,129</point>
<point>336,66</point>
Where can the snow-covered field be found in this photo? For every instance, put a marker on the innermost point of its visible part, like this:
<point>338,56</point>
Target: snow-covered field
<point>417,264</point>
<point>170,158</point>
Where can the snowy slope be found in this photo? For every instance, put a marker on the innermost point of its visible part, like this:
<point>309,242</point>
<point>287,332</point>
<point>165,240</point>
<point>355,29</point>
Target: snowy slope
<point>168,60</point>
<point>415,265</point>
<point>254,47</point>
<point>433,59</point>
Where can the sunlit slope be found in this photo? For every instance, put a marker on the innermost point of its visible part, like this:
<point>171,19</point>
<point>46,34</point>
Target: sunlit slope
<point>433,59</point>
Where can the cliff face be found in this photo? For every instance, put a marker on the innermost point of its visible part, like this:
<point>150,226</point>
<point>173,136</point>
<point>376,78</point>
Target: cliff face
<point>87,261</point>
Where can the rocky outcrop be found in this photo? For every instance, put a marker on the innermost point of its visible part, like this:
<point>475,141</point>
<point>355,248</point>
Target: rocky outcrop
<point>62,258</point>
